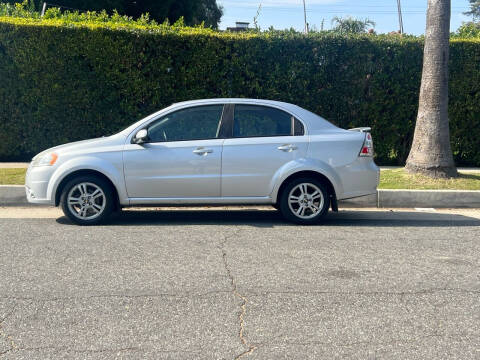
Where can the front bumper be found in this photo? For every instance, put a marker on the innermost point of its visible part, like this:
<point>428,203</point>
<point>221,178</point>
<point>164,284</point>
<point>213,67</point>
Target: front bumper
<point>36,184</point>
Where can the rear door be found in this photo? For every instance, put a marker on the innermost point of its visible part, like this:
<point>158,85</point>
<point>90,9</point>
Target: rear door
<point>263,140</point>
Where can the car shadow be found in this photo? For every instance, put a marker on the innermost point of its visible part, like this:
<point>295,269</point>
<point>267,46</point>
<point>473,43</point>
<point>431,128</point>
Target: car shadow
<point>270,218</point>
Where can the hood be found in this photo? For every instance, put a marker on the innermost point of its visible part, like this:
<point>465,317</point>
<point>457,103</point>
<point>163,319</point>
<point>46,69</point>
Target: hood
<point>82,145</point>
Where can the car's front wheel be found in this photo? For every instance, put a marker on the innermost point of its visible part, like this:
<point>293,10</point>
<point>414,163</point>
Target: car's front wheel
<point>304,201</point>
<point>87,200</point>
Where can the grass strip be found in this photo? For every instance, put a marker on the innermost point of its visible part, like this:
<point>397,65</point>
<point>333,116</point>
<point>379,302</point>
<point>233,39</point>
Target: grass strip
<point>400,179</point>
<point>12,176</point>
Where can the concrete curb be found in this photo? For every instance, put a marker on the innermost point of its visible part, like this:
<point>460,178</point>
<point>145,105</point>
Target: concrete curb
<point>417,198</point>
<point>14,195</point>
<point>429,198</point>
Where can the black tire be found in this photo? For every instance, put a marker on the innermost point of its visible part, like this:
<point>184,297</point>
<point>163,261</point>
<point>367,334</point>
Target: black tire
<point>323,206</point>
<point>101,216</point>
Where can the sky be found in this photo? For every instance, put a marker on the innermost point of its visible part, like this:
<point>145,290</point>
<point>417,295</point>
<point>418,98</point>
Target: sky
<point>282,14</point>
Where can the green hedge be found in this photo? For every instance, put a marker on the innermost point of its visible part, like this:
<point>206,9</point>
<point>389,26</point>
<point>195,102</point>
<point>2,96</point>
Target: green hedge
<point>62,81</point>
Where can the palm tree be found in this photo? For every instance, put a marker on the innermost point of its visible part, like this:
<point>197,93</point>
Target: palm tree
<point>431,153</point>
<point>351,25</point>
<point>474,9</point>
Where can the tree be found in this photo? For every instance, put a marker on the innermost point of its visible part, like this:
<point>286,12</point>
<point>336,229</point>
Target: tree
<point>474,9</point>
<point>351,25</point>
<point>194,12</point>
<point>91,5</point>
<point>468,30</point>
<point>431,153</point>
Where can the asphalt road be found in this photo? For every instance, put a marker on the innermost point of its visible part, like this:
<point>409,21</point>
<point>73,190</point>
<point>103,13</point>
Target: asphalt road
<point>182,284</point>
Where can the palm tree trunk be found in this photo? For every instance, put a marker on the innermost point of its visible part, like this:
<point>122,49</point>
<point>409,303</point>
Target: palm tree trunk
<point>431,153</point>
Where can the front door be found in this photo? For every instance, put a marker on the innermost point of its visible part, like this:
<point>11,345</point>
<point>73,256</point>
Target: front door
<point>264,140</point>
<point>182,158</point>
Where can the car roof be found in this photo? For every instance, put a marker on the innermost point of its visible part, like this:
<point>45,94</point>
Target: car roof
<point>235,100</point>
<point>313,121</point>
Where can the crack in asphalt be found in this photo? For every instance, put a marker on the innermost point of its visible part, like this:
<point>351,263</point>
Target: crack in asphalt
<point>4,335</point>
<point>244,301</point>
<point>14,307</point>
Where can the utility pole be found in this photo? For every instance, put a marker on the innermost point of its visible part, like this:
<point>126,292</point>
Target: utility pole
<point>44,7</point>
<point>400,17</point>
<point>305,17</point>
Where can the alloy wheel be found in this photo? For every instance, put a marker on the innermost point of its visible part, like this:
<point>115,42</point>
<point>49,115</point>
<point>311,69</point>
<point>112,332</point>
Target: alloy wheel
<point>306,201</point>
<point>86,201</point>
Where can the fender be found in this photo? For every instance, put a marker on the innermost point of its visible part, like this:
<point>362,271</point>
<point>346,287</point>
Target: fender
<point>303,164</point>
<point>91,162</point>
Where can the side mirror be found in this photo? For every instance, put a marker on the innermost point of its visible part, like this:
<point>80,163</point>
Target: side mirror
<point>140,137</point>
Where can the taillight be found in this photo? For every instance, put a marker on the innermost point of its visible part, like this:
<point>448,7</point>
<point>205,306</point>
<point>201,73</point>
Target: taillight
<point>367,148</point>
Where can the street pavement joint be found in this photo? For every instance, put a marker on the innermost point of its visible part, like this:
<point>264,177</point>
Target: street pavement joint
<point>120,296</point>
<point>78,351</point>
<point>393,293</point>
<point>412,340</point>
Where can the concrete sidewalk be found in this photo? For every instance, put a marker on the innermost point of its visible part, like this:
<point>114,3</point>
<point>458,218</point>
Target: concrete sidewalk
<point>13,165</point>
<point>466,170</point>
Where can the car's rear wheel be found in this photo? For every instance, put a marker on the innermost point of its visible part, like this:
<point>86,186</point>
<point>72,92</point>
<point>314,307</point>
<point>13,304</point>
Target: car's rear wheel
<point>87,200</point>
<point>304,201</point>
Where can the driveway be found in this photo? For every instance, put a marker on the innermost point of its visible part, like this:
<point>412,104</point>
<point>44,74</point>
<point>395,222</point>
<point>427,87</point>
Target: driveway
<point>214,284</point>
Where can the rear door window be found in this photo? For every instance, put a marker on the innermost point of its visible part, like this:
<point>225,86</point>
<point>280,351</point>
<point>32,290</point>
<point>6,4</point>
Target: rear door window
<point>262,121</point>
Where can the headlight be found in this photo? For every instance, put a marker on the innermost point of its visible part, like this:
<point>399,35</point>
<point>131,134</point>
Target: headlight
<point>45,160</point>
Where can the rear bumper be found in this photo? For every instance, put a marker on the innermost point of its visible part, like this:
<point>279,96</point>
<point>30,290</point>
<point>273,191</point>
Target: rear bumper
<point>361,178</point>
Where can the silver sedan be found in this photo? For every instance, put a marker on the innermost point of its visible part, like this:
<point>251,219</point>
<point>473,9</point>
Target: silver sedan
<point>210,152</point>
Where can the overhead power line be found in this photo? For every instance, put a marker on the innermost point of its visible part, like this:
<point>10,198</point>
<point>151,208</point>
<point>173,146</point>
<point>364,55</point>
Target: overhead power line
<point>355,9</point>
<point>331,6</point>
<point>353,12</point>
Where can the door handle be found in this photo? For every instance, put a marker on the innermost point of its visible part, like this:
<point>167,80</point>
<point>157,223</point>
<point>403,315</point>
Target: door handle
<point>202,151</point>
<point>287,148</point>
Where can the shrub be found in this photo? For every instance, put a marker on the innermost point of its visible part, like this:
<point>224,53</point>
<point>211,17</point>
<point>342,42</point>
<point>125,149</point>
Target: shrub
<point>71,77</point>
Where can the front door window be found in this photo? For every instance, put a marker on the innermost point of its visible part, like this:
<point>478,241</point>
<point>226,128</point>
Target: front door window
<point>197,123</point>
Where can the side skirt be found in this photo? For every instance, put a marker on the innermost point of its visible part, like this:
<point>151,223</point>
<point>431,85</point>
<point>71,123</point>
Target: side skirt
<point>202,201</point>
